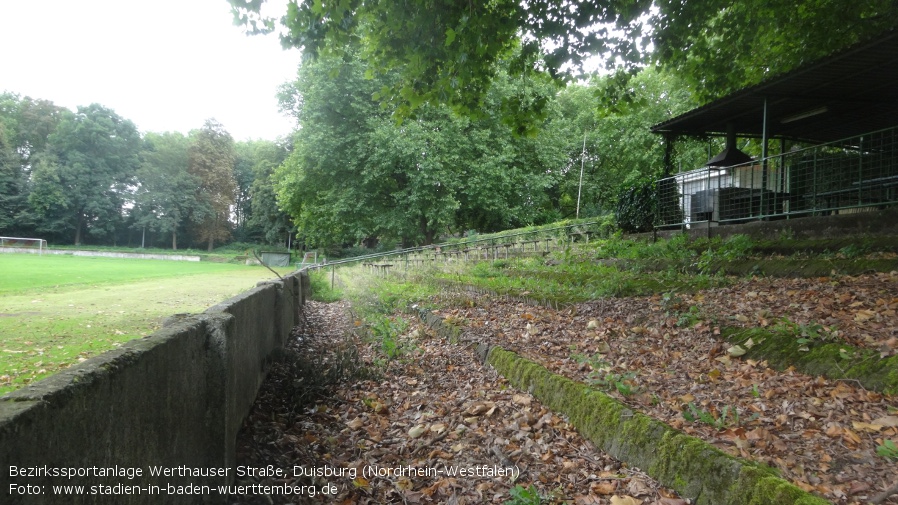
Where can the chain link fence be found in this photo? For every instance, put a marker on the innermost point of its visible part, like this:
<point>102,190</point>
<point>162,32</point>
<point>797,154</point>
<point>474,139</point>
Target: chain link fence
<point>852,175</point>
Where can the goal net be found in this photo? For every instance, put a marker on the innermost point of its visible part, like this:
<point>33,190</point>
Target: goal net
<point>23,244</point>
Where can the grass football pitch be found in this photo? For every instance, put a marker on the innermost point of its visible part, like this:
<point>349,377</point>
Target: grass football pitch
<point>56,311</point>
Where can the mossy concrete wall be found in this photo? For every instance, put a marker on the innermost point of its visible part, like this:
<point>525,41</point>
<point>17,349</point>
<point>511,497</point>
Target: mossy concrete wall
<point>833,360</point>
<point>691,466</point>
<point>175,399</point>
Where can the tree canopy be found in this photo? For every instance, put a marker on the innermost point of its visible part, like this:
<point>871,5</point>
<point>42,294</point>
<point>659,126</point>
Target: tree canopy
<point>355,174</point>
<point>210,160</point>
<point>82,180</point>
<point>449,52</point>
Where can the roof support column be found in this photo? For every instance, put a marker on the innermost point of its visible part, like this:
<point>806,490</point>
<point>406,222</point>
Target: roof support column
<point>764,155</point>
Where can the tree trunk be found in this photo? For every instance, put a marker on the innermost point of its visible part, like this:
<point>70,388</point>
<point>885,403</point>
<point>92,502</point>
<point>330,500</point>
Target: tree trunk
<point>78,229</point>
<point>174,241</point>
<point>428,233</point>
<point>211,240</point>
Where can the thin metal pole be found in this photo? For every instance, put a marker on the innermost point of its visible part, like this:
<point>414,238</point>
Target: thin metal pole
<point>580,186</point>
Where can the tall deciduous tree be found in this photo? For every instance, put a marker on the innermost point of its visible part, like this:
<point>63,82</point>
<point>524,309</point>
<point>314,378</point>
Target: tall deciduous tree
<point>607,132</point>
<point>211,161</point>
<point>355,173</point>
<point>318,184</point>
<point>26,124</point>
<point>265,222</point>
<point>165,195</point>
<point>12,194</point>
<point>256,160</point>
<point>82,182</point>
<point>447,51</point>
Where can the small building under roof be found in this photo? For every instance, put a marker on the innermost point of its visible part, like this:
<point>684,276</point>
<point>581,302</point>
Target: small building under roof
<point>840,111</point>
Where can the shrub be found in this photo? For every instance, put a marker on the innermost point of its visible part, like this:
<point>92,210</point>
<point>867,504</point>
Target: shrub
<point>635,210</point>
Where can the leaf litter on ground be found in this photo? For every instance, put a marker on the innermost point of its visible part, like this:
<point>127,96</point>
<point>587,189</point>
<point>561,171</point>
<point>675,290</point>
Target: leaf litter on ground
<point>821,434</point>
<point>434,410</point>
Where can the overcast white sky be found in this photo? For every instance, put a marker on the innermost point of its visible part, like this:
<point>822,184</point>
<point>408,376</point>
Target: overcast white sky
<point>167,65</point>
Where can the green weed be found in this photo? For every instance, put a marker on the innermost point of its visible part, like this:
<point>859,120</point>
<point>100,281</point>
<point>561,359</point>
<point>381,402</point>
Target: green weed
<point>602,377</point>
<point>807,333</point>
<point>387,332</point>
<point>734,248</point>
<point>690,318</point>
<point>521,495</point>
<point>888,450</point>
<point>729,416</point>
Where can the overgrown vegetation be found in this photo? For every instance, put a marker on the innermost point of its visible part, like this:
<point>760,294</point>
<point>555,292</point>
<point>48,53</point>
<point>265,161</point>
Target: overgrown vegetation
<point>322,290</point>
<point>380,306</point>
<point>670,274</point>
<point>603,377</point>
<point>573,275</point>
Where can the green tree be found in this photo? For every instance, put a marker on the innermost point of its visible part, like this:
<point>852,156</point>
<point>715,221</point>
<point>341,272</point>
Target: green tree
<point>272,224</point>
<point>256,160</point>
<point>318,184</point>
<point>448,52</point>
<point>25,125</point>
<point>12,193</point>
<point>508,175</point>
<point>411,177</point>
<point>165,195</point>
<point>210,160</point>
<point>82,181</point>
<point>355,173</point>
<point>604,127</point>
<point>720,46</point>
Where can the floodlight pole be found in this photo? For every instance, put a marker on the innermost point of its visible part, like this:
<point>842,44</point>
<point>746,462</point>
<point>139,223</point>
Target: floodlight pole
<point>580,186</point>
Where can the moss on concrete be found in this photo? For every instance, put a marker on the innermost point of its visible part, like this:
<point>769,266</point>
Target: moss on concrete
<point>692,467</point>
<point>816,267</point>
<point>833,360</point>
<point>773,267</point>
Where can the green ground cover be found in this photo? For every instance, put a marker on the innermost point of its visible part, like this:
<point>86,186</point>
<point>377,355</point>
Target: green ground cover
<point>23,273</point>
<point>58,310</point>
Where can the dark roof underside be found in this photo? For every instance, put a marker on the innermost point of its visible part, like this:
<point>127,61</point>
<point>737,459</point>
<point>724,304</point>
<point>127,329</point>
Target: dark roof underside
<point>857,88</point>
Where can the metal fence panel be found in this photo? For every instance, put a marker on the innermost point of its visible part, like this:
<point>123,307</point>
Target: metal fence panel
<point>852,175</point>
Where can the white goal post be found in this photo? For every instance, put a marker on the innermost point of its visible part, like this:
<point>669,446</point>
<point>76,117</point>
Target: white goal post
<point>23,243</point>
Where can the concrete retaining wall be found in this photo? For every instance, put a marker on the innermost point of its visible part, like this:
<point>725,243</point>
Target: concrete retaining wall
<point>174,400</point>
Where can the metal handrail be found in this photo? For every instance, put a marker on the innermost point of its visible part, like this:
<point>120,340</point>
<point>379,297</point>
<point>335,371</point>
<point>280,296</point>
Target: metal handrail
<point>409,250</point>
